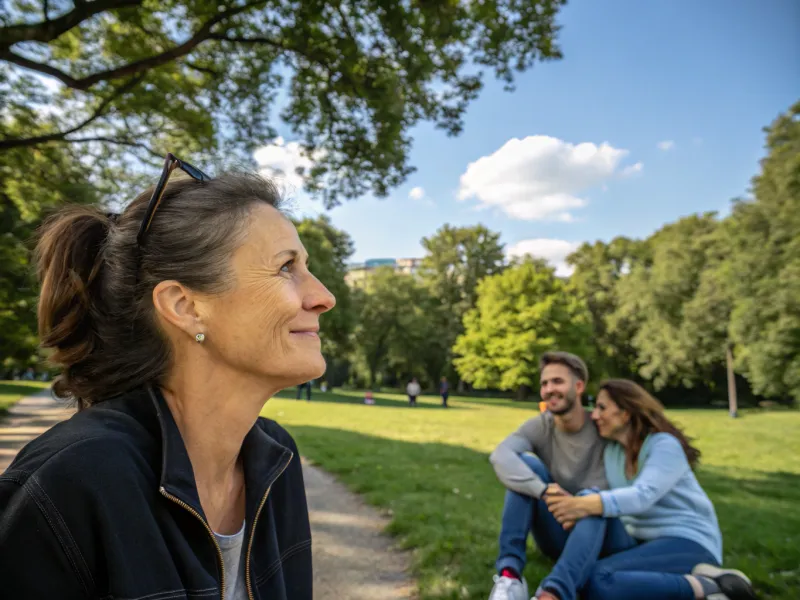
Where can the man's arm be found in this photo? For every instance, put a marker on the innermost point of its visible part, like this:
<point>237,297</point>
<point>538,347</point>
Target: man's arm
<point>511,470</point>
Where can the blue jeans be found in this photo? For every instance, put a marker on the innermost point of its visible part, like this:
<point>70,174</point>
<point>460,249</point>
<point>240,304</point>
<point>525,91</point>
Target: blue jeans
<point>631,570</point>
<point>523,515</point>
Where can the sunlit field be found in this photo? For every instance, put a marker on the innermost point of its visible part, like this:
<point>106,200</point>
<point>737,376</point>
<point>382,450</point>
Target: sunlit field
<point>428,468</point>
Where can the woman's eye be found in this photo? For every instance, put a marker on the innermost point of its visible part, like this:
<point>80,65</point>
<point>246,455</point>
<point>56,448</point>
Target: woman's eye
<point>288,266</point>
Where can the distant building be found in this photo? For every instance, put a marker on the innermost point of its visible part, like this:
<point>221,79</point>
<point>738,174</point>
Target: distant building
<point>357,273</point>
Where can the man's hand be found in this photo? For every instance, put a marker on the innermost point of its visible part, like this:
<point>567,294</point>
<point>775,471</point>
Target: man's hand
<point>568,509</point>
<point>553,490</point>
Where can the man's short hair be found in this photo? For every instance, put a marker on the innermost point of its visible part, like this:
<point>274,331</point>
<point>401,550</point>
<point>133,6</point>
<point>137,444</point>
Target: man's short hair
<point>574,363</point>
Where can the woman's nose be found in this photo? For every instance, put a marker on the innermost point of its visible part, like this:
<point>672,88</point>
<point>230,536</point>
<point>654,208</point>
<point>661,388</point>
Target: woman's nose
<point>319,298</point>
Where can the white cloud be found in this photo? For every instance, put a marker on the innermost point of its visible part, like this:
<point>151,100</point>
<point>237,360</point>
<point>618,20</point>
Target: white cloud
<point>554,252</point>
<point>280,161</point>
<point>666,145</point>
<point>632,169</point>
<point>539,177</point>
<point>416,193</point>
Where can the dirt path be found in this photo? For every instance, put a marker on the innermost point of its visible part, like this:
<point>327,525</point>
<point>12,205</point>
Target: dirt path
<point>25,420</point>
<point>353,560</point>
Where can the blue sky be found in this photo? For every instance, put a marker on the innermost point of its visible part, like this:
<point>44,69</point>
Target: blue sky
<point>701,78</point>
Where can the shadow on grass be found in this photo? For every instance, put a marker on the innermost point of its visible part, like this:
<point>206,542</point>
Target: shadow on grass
<point>445,504</point>
<point>423,402</point>
<point>12,391</point>
<point>21,388</point>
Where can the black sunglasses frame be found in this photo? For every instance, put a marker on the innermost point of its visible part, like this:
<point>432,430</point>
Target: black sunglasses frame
<point>171,162</point>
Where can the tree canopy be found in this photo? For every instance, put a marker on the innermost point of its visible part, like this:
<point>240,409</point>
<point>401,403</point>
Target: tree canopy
<point>519,314</point>
<point>131,78</point>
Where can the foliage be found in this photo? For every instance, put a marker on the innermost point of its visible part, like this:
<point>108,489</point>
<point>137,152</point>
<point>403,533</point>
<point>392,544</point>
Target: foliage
<point>655,295</point>
<point>519,314</point>
<point>455,261</point>
<point>428,468</point>
<point>33,181</point>
<point>134,78</point>
<point>762,267</point>
<point>393,323</point>
<point>598,269</point>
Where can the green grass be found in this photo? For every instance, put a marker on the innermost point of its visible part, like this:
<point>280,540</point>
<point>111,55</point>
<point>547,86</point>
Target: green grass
<point>428,469</point>
<point>11,391</point>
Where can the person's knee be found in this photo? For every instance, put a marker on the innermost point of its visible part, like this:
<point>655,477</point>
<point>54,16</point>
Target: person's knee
<point>537,466</point>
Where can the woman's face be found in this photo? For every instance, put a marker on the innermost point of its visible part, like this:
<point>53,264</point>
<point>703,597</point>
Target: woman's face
<point>611,420</point>
<point>267,325</point>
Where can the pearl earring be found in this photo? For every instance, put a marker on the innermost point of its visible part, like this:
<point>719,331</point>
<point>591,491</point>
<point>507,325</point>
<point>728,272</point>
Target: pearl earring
<point>200,338</point>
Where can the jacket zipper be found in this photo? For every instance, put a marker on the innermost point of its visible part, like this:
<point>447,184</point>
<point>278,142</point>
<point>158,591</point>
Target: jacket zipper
<point>253,529</point>
<point>211,533</point>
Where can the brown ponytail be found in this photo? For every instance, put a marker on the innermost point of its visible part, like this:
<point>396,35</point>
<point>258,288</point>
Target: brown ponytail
<point>69,259</point>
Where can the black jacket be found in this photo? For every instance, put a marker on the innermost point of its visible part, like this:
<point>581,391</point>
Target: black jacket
<point>104,506</point>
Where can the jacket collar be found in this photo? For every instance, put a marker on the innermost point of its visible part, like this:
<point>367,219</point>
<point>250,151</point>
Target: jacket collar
<point>264,460</point>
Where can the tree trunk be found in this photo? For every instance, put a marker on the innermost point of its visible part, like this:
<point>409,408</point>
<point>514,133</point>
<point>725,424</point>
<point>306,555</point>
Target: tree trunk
<point>522,392</point>
<point>732,403</point>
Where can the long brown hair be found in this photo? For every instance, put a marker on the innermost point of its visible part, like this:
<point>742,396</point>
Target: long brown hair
<point>96,313</point>
<point>647,416</point>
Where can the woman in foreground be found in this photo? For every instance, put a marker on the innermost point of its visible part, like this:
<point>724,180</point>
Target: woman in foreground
<point>656,527</point>
<point>173,323</point>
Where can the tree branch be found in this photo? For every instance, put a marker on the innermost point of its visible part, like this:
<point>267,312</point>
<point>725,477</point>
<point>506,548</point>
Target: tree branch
<point>121,142</point>
<point>46,31</point>
<point>243,40</point>
<point>32,65</point>
<point>201,35</point>
<point>7,144</point>
<point>201,68</point>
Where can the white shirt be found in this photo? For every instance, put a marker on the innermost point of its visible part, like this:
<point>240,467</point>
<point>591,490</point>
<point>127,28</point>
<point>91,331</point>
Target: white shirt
<point>234,564</point>
<point>413,389</point>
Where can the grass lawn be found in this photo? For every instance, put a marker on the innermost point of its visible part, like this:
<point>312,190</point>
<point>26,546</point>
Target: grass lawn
<point>11,391</point>
<point>428,468</point>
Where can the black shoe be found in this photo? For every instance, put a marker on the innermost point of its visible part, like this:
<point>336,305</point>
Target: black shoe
<point>733,585</point>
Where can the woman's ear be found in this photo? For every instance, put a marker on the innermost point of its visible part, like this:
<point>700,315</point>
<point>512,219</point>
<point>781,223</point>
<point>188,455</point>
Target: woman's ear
<point>175,305</point>
<point>626,417</point>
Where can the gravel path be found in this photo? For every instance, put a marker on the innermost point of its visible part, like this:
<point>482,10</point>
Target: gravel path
<point>353,559</point>
<point>25,420</point>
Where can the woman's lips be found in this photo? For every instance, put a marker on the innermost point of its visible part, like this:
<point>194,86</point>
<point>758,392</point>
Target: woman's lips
<point>311,334</point>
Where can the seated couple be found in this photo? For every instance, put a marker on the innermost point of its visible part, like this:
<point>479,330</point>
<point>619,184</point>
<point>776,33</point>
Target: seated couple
<point>610,496</point>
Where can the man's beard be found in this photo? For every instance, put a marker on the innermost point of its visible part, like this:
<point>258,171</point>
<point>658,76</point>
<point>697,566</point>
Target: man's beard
<point>570,399</point>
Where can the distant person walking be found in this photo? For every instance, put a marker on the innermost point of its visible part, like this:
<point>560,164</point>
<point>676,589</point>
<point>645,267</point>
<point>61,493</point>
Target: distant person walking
<point>413,390</point>
<point>307,387</point>
<point>444,391</point>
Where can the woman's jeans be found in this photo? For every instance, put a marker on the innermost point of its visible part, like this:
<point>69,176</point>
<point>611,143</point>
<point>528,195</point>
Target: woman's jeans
<point>631,570</point>
<point>598,556</point>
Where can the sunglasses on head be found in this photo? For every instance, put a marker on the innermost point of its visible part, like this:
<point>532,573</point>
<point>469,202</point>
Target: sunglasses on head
<point>171,163</point>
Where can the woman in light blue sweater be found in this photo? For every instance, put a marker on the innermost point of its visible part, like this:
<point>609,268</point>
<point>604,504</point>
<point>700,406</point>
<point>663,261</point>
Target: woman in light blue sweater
<point>654,534</point>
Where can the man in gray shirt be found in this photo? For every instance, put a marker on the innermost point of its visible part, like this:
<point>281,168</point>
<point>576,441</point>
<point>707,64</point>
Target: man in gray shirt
<point>568,458</point>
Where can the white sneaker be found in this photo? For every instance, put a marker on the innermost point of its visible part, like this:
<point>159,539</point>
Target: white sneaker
<point>508,588</point>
